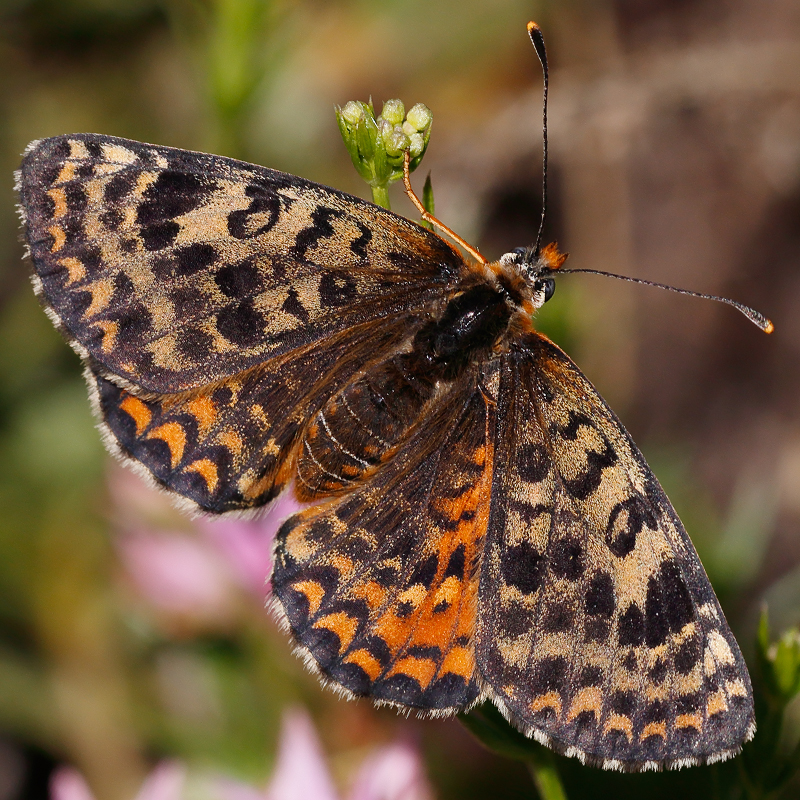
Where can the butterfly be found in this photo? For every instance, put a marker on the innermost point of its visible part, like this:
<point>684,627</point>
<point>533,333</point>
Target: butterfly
<point>482,527</point>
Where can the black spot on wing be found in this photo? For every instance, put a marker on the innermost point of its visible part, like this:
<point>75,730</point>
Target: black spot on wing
<point>111,219</point>
<point>688,654</point>
<point>188,301</point>
<point>550,674</point>
<point>320,228</point>
<point>76,198</point>
<point>590,676</point>
<point>574,423</point>
<point>239,281</point>
<point>241,323</point>
<point>293,306</point>
<point>94,148</point>
<point>455,565</point>
<point>337,289</point>
<point>119,187</point>
<point>134,323</point>
<point>677,600</point>
<point>193,258</point>
<point>516,619</point>
<point>567,559</point>
<point>585,483</point>
<point>630,627</point>
<point>558,617</point>
<point>359,245</point>
<point>170,195</point>
<point>533,462</point>
<point>160,235</point>
<point>625,522</point>
<point>522,567</point>
<point>425,572</point>
<point>194,344</point>
<point>600,599</point>
<point>259,217</point>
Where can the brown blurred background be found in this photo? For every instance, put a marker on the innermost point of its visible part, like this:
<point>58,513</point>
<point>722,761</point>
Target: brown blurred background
<point>675,157</point>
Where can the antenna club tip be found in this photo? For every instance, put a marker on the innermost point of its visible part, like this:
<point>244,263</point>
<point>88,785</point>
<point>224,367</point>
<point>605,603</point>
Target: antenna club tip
<point>532,26</point>
<point>769,327</point>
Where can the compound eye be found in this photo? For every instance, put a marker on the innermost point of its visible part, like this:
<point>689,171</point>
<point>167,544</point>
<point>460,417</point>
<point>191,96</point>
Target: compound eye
<point>549,288</point>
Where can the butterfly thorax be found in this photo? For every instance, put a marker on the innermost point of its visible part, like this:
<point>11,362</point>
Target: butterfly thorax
<point>360,426</point>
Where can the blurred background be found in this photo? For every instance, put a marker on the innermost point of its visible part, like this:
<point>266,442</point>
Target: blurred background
<point>132,637</point>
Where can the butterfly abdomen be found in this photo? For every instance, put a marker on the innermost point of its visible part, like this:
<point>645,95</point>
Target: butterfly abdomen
<point>357,427</point>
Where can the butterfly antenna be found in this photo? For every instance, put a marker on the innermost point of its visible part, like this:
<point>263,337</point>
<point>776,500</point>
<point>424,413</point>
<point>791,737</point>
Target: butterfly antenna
<point>537,38</point>
<point>754,316</point>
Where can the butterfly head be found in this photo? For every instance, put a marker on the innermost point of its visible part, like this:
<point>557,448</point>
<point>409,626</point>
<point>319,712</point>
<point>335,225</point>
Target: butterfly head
<point>537,269</point>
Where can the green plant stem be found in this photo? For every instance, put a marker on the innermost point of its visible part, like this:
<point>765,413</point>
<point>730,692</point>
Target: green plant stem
<point>545,777</point>
<point>380,196</point>
<point>489,727</point>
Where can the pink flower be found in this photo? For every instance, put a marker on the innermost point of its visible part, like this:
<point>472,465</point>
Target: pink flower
<point>196,575</point>
<point>393,772</point>
<point>165,782</point>
<point>246,545</point>
<point>177,573</point>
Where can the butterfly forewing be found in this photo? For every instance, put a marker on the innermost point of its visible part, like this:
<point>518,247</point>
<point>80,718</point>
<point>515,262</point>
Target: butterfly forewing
<point>598,630</point>
<point>173,270</point>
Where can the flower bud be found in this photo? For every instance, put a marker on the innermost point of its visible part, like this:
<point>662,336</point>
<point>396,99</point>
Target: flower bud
<point>393,111</point>
<point>353,112</point>
<point>385,128</point>
<point>417,144</point>
<point>420,117</point>
<point>397,142</point>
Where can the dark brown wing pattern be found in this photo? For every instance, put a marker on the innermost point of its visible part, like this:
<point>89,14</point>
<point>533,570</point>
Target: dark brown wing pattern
<point>380,587</point>
<point>598,631</point>
<point>171,270</point>
<point>236,444</point>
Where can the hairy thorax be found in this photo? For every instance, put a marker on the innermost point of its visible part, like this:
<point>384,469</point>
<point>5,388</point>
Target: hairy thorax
<point>361,425</point>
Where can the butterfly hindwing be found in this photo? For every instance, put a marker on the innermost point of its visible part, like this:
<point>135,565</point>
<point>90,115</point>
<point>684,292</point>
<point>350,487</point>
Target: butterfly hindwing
<point>380,587</point>
<point>170,270</point>
<point>598,630</point>
<point>235,444</point>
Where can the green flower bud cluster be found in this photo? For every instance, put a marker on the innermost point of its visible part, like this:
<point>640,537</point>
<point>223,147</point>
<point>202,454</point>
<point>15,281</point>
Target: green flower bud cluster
<point>377,145</point>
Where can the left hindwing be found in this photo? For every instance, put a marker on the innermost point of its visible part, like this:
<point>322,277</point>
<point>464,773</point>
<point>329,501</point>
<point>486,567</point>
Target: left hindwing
<point>598,630</point>
<point>235,445</point>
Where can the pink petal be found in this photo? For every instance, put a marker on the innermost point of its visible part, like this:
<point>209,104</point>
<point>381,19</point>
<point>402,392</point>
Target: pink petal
<point>300,772</point>
<point>165,782</point>
<point>66,783</point>
<point>176,572</point>
<point>246,545</point>
<point>395,772</point>
<point>229,789</point>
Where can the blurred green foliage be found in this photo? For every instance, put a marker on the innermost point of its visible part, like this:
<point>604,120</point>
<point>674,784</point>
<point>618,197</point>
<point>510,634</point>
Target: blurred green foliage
<point>90,674</point>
